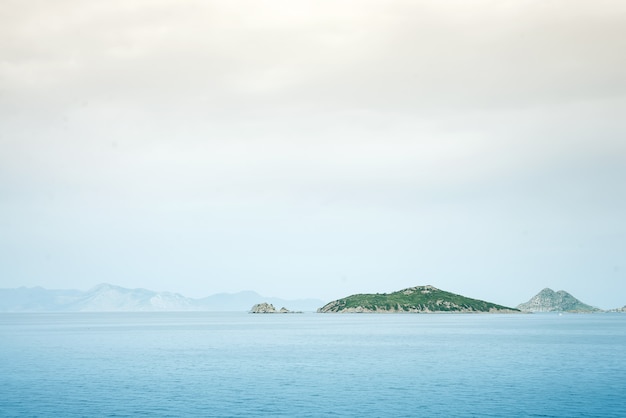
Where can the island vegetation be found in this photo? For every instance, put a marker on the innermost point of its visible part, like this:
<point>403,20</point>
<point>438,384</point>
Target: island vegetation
<point>419,299</point>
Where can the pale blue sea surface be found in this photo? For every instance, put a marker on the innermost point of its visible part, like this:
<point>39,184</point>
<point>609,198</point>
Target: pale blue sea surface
<point>238,364</point>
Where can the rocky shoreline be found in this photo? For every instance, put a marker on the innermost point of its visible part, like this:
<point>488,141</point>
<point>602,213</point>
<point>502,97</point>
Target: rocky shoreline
<point>361,309</point>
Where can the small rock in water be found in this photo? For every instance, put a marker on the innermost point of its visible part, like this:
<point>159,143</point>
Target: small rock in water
<point>269,308</point>
<point>263,308</point>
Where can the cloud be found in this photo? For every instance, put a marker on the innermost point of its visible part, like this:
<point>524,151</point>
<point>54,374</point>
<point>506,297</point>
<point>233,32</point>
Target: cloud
<point>351,132</point>
<point>371,55</point>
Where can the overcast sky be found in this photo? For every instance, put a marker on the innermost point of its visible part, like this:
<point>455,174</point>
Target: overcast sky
<point>315,148</point>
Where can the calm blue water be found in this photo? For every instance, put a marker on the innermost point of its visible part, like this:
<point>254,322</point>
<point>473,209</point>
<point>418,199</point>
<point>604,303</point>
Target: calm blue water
<point>237,364</point>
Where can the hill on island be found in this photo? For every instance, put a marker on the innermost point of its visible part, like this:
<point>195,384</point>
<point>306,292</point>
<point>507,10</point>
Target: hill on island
<point>550,301</point>
<point>418,299</point>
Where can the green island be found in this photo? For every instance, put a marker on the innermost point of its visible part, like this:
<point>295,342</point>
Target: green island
<point>418,299</point>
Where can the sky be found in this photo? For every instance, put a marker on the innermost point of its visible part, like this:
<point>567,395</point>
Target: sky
<point>315,148</point>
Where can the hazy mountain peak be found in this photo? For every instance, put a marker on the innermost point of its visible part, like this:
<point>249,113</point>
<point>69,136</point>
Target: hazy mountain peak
<point>550,301</point>
<point>106,297</point>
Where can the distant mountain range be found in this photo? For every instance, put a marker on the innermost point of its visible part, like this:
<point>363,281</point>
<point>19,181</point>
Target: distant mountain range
<point>110,298</point>
<point>550,301</point>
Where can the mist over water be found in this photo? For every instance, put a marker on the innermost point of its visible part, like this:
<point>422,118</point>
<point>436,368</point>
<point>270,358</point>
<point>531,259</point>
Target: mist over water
<point>236,364</point>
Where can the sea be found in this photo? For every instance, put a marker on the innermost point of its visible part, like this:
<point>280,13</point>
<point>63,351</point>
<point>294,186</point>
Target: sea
<point>206,364</point>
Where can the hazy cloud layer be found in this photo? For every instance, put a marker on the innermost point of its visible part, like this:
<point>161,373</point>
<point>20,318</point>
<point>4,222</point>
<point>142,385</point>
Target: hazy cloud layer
<point>315,148</point>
